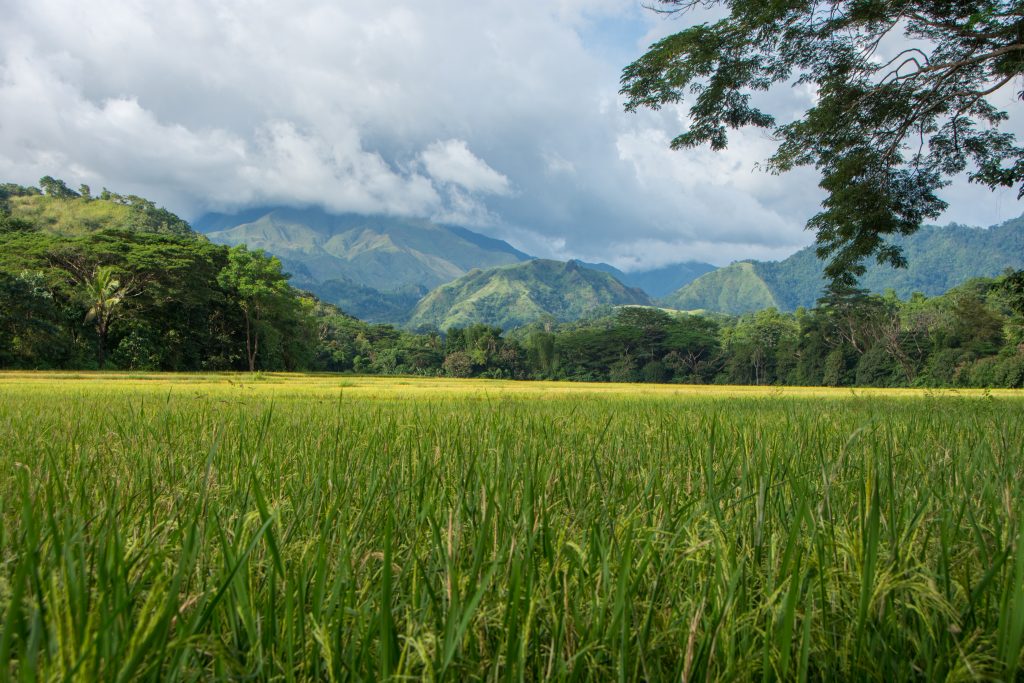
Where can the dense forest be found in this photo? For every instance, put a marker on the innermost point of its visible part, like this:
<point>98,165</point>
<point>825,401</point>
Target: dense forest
<point>112,281</point>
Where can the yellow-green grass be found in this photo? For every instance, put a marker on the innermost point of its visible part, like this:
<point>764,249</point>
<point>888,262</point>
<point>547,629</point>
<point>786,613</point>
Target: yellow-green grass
<point>285,527</point>
<point>320,385</point>
<point>71,217</point>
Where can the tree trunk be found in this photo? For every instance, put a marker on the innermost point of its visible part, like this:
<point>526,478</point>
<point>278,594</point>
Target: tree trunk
<point>101,345</point>
<point>250,354</point>
<point>255,337</point>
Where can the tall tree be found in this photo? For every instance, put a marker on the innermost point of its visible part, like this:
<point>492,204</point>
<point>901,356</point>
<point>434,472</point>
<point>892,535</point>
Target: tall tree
<point>889,127</point>
<point>104,297</point>
<point>259,286</point>
<point>57,188</point>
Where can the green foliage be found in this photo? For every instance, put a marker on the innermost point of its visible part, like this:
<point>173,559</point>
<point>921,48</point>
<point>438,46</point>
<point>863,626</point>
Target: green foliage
<point>655,372</point>
<point>254,277</point>
<point>754,345</point>
<point>636,344</point>
<point>147,297</point>
<point>258,286</point>
<point>56,188</point>
<point>541,350</point>
<point>29,322</point>
<point>458,364</point>
<point>877,368</point>
<point>1004,370</point>
<point>480,351</point>
<point>1013,287</point>
<point>345,344</point>
<point>834,370</point>
<point>885,132</point>
<point>623,370</point>
<point>966,337</point>
<point>8,190</point>
<point>104,295</point>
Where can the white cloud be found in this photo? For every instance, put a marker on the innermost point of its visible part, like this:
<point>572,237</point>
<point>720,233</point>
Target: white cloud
<point>288,166</point>
<point>555,163</point>
<point>462,208</point>
<point>118,142</point>
<point>719,201</point>
<point>452,162</point>
<point>490,114</point>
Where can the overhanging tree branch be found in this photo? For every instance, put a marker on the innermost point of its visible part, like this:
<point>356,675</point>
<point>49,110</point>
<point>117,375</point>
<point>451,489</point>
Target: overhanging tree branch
<point>884,139</point>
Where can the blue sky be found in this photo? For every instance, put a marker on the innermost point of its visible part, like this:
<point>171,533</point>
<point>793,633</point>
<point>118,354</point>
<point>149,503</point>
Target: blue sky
<point>503,117</point>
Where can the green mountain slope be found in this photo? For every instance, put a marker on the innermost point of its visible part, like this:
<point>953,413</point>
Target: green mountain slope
<point>373,305</point>
<point>514,295</point>
<point>939,258</point>
<point>371,266</point>
<point>736,288</point>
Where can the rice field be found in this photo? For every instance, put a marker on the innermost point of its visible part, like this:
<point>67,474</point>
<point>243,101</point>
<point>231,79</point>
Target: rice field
<point>289,528</point>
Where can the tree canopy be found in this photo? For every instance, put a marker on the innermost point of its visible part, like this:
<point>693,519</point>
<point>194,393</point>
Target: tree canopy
<point>258,284</point>
<point>902,102</point>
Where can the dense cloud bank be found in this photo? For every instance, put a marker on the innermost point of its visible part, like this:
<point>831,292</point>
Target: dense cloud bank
<point>494,115</point>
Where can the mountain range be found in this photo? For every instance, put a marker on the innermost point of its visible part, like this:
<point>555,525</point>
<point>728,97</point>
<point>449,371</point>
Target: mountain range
<point>422,274</point>
<point>938,259</point>
<point>377,268</point>
<point>374,267</point>
<point>426,275</point>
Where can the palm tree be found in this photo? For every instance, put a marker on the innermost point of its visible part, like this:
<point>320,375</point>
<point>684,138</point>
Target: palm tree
<point>104,296</point>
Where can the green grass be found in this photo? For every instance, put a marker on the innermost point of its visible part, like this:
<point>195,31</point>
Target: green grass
<point>327,528</point>
<point>71,217</point>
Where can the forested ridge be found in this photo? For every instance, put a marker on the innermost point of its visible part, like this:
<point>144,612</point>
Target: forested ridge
<point>111,281</point>
<point>938,259</point>
<point>515,295</point>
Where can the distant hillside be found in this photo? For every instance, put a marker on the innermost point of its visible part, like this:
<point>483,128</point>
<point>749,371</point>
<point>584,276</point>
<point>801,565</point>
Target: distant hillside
<point>939,258</point>
<point>75,214</point>
<point>509,296</point>
<point>371,304</point>
<point>736,288</point>
<point>657,282</point>
<point>387,257</point>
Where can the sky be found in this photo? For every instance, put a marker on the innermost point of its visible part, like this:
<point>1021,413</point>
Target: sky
<point>500,116</point>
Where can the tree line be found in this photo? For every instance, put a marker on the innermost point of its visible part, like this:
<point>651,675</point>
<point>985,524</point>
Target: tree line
<point>167,299</point>
<point>970,336</point>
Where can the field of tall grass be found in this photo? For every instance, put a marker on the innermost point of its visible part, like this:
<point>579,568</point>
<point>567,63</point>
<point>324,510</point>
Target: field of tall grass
<point>174,527</point>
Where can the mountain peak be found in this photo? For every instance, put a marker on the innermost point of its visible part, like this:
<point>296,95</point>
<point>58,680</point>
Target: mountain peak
<point>513,295</point>
<point>380,254</point>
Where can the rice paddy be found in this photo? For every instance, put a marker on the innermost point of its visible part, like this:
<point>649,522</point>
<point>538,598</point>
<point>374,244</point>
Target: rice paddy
<point>287,528</point>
